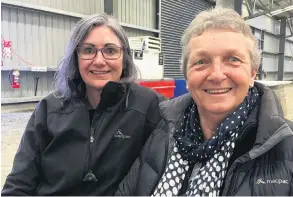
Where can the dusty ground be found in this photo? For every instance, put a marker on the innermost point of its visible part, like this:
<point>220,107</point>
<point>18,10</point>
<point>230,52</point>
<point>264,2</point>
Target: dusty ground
<point>13,124</point>
<point>12,127</point>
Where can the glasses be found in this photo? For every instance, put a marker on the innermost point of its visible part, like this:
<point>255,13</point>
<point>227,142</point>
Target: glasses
<point>89,52</point>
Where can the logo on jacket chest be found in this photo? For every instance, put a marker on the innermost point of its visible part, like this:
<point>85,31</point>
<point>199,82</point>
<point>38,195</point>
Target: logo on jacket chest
<point>119,134</point>
<point>273,181</point>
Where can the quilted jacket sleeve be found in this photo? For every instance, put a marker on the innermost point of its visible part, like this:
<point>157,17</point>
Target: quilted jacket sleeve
<point>128,187</point>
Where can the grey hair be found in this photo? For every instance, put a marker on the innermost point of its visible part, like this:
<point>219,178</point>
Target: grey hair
<point>68,67</point>
<point>217,18</point>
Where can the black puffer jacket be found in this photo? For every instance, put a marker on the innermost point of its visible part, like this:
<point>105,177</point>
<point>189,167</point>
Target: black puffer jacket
<point>263,159</point>
<point>62,154</point>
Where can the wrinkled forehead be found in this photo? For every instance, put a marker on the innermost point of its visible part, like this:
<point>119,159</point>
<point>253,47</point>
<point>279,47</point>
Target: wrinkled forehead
<point>220,40</point>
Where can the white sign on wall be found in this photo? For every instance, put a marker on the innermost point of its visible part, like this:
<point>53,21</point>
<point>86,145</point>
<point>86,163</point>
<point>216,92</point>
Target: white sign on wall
<point>39,69</point>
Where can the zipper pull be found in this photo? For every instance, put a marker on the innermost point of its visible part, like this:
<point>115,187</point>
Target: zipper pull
<point>92,134</point>
<point>90,177</point>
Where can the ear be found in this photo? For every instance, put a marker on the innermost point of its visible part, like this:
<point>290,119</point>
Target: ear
<point>187,86</point>
<point>253,75</point>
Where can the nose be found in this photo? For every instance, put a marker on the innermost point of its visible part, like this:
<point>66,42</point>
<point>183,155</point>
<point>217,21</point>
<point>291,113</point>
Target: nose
<point>217,72</point>
<point>99,59</point>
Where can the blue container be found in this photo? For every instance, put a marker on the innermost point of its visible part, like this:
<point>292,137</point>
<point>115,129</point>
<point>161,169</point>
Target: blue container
<point>180,87</point>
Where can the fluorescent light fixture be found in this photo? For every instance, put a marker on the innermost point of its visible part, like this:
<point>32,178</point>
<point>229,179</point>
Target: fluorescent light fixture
<point>282,10</point>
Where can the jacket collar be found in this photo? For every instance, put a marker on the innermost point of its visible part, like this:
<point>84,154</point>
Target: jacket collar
<point>111,97</point>
<point>172,110</point>
<point>272,127</point>
<point>271,122</point>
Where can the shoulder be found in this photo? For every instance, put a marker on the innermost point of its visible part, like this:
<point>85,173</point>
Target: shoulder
<point>283,150</point>
<point>52,104</point>
<point>157,142</point>
<point>52,100</point>
<point>285,147</point>
<point>49,102</point>
<point>141,91</point>
<point>143,95</point>
<point>290,123</point>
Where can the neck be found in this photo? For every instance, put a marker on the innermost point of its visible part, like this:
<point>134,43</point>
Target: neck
<point>210,122</point>
<point>94,97</point>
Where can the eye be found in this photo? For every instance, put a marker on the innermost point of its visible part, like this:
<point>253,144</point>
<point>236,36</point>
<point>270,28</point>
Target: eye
<point>234,59</point>
<point>87,50</point>
<point>111,50</point>
<point>200,62</point>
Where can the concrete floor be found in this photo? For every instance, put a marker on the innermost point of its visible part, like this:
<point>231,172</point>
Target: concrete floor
<point>20,107</point>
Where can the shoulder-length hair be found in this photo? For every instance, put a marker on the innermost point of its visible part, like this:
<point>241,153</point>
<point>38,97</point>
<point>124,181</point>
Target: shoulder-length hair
<point>68,67</point>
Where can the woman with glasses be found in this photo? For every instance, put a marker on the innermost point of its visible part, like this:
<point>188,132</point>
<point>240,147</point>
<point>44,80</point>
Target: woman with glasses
<point>83,138</point>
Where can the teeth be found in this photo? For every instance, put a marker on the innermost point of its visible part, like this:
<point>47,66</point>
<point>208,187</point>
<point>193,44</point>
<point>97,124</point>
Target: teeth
<point>218,91</point>
<point>100,72</point>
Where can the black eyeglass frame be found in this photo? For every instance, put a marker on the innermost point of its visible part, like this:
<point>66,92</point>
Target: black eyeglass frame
<point>100,49</point>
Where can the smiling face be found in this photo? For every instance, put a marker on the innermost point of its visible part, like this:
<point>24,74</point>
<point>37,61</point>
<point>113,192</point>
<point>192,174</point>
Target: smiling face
<point>219,71</point>
<point>97,71</point>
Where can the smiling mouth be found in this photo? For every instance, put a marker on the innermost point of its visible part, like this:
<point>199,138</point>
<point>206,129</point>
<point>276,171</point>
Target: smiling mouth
<point>218,91</point>
<point>100,72</point>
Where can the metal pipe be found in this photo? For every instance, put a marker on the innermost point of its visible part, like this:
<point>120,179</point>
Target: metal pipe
<point>282,49</point>
<point>36,87</point>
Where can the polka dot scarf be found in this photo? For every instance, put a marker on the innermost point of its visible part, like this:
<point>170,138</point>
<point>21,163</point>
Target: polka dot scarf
<point>213,154</point>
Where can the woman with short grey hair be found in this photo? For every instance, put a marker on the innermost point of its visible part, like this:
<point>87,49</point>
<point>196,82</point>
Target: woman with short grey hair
<point>83,138</point>
<point>228,135</point>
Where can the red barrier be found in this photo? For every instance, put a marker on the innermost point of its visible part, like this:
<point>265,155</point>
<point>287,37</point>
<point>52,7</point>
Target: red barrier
<point>165,86</point>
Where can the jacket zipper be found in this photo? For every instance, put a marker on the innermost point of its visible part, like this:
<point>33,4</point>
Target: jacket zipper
<point>162,170</point>
<point>90,176</point>
<point>235,169</point>
<point>233,181</point>
<point>92,133</point>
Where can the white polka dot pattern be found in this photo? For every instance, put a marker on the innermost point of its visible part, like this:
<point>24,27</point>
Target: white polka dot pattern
<point>173,176</point>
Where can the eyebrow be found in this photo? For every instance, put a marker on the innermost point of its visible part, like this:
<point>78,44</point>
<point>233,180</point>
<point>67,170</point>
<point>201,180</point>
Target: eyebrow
<point>105,45</point>
<point>202,52</point>
<point>87,44</point>
<point>111,44</point>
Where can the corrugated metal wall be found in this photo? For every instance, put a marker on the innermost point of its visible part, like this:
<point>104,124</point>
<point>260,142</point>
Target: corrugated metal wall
<point>39,36</point>
<point>271,30</point>
<point>136,32</point>
<point>175,17</point>
<point>75,6</point>
<point>136,12</point>
<point>38,39</point>
<point>27,90</point>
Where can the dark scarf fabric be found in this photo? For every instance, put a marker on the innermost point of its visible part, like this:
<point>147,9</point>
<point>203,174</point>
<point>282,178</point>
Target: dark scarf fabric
<point>190,138</point>
<point>214,153</point>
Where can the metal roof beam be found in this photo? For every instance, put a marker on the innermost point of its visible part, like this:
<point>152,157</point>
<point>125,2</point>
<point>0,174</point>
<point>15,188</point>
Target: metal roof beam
<point>290,26</point>
<point>249,6</point>
<point>264,12</point>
